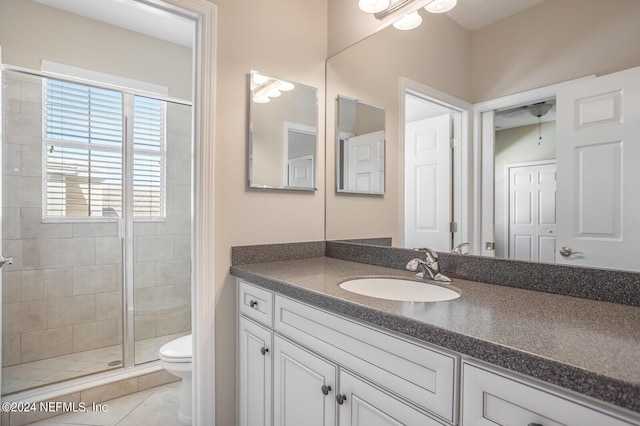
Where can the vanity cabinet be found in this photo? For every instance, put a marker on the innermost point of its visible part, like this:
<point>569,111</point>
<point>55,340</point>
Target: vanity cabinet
<point>493,398</point>
<point>329,370</point>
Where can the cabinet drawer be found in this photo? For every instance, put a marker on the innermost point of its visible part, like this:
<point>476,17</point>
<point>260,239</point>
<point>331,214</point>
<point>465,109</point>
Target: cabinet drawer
<point>256,303</point>
<point>421,375</point>
<point>490,398</point>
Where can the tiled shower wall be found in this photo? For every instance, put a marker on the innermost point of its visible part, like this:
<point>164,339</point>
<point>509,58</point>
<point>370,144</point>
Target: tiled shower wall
<point>63,293</point>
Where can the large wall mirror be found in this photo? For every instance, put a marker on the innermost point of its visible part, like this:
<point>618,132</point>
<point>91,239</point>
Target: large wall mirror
<point>507,105</point>
<point>360,147</point>
<point>283,133</point>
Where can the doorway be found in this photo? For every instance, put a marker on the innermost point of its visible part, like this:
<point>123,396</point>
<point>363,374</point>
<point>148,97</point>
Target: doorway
<point>433,135</point>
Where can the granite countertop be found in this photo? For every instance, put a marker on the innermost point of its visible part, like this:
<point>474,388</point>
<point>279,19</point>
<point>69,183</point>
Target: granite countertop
<point>587,346</point>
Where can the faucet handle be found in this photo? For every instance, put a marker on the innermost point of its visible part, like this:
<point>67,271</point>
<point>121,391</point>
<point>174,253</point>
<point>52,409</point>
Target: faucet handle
<point>458,249</point>
<point>430,253</point>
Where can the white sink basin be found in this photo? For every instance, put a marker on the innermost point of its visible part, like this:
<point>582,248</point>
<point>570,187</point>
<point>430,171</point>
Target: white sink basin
<point>399,289</point>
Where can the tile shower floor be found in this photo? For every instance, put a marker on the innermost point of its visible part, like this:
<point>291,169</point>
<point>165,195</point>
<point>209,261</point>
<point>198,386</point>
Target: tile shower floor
<point>20,377</point>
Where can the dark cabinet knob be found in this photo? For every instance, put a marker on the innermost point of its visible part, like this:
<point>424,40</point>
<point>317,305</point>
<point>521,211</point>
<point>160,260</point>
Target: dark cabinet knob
<point>341,399</point>
<point>534,424</point>
<point>264,350</point>
<point>326,389</point>
<point>253,303</point>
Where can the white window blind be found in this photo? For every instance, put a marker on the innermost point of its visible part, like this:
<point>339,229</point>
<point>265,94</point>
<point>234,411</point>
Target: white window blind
<point>84,137</point>
<point>148,159</point>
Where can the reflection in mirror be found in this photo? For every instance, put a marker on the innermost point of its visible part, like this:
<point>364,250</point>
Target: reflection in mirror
<point>489,65</point>
<point>360,147</point>
<point>525,163</point>
<point>283,133</point>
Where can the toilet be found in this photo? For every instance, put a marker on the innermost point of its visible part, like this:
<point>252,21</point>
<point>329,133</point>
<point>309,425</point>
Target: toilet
<point>176,357</point>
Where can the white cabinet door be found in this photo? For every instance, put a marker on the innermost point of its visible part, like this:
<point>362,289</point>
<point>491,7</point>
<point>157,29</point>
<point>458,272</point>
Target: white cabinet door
<point>363,404</point>
<point>491,399</point>
<point>304,387</point>
<point>255,374</point>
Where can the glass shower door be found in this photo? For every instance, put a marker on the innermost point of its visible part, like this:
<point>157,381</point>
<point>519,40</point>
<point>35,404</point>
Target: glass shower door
<point>62,313</point>
<point>162,174</point>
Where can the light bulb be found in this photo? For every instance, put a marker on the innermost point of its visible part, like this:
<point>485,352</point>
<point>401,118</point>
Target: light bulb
<point>285,86</point>
<point>273,92</point>
<point>441,6</point>
<point>373,6</point>
<point>408,22</point>
<point>261,99</point>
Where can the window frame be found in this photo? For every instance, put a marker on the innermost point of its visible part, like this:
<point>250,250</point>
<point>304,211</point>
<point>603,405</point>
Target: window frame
<point>126,150</point>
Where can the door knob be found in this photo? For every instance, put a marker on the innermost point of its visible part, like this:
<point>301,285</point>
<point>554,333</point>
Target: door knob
<point>5,261</point>
<point>566,251</point>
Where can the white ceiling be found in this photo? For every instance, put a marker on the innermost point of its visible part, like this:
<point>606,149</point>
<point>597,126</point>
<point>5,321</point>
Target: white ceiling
<point>476,14</point>
<point>132,16</point>
<point>521,116</point>
<point>470,14</point>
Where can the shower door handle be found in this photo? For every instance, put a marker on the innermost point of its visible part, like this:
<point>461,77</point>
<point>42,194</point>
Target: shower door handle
<point>5,261</point>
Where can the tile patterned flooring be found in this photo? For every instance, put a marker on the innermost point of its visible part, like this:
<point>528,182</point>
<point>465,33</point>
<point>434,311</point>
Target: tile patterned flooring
<point>154,407</point>
<point>29,375</point>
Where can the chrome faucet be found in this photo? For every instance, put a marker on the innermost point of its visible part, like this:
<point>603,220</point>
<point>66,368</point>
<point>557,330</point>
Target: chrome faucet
<point>458,249</point>
<point>429,267</point>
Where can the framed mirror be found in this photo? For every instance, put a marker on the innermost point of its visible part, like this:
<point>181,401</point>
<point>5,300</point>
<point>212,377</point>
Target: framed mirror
<point>283,133</point>
<point>360,147</point>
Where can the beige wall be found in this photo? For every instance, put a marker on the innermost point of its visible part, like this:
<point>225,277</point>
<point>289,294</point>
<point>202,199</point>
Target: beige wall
<point>370,71</point>
<point>30,32</point>
<point>552,42</point>
<point>262,36</point>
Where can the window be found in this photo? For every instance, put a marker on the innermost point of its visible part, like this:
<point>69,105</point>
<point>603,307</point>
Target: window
<point>85,140</point>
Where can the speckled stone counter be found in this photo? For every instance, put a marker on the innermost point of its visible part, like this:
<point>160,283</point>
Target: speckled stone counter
<point>591,347</point>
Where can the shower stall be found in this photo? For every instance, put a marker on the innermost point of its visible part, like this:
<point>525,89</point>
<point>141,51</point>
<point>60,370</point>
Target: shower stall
<point>96,216</point>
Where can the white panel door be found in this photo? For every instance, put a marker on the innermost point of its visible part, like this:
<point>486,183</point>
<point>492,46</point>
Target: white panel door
<point>598,152</point>
<point>365,162</point>
<point>304,387</point>
<point>532,213</point>
<point>255,374</point>
<point>301,172</point>
<point>427,196</point>
<point>363,404</point>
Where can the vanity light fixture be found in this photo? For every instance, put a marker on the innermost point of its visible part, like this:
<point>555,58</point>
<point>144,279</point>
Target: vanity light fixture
<point>264,88</point>
<point>373,6</point>
<point>404,13</point>
<point>441,6</point>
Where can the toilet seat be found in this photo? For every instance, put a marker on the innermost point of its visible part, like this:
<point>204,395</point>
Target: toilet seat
<point>178,350</point>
